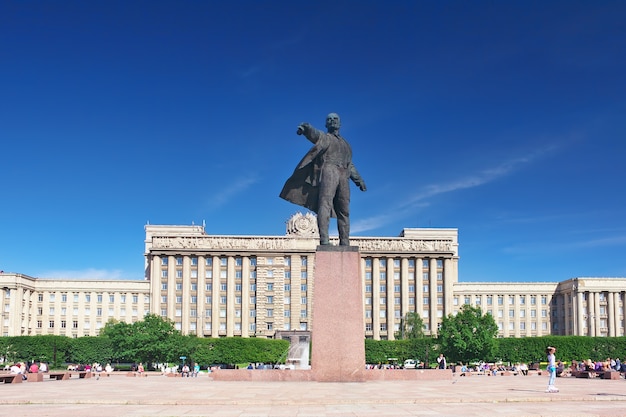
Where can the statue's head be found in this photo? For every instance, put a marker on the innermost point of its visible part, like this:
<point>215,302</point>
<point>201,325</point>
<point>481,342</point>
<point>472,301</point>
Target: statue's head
<point>333,122</point>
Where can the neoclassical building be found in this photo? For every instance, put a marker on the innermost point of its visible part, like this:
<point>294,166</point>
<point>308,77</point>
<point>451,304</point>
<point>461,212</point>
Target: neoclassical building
<point>254,286</point>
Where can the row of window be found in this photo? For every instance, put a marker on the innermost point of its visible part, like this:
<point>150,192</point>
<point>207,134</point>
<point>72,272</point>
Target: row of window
<point>87,298</point>
<point>86,311</point>
<point>224,287</point>
<point>269,299</point>
<point>208,261</point>
<point>500,300</point>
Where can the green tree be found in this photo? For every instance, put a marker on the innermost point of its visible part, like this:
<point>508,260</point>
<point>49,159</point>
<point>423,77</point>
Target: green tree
<point>411,327</point>
<point>153,339</point>
<point>468,335</point>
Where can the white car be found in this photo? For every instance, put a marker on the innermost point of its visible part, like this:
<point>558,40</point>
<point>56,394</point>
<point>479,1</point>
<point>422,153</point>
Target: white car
<point>410,364</point>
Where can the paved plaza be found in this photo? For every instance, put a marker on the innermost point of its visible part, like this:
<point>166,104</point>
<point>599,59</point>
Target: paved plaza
<point>157,395</point>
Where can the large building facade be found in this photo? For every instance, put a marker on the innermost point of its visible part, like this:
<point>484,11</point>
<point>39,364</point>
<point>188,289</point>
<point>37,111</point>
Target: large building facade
<point>254,286</point>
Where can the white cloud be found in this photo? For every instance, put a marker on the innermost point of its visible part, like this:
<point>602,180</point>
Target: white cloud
<point>232,190</point>
<point>475,180</point>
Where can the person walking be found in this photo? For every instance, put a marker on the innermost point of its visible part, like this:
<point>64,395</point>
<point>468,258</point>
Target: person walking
<point>551,369</point>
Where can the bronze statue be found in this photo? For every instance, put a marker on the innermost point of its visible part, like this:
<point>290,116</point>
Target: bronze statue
<point>320,182</point>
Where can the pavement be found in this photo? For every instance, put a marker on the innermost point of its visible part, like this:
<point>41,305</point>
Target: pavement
<point>159,395</point>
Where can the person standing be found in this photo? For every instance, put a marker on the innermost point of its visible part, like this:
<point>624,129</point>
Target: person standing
<point>551,369</point>
<point>321,183</point>
<point>441,360</point>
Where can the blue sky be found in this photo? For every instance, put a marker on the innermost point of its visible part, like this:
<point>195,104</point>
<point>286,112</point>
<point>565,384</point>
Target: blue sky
<point>506,120</point>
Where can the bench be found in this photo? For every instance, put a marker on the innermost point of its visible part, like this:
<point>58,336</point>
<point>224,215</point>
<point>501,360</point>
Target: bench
<point>59,376</point>
<point>83,374</point>
<point>11,378</point>
<point>611,375</point>
<point>34,377</point>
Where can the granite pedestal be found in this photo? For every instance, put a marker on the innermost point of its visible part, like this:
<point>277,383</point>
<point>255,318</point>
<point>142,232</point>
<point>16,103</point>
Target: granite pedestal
<point>338,328</point>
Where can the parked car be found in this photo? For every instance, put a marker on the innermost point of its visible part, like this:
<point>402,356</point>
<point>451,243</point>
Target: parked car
<point>410,364</point>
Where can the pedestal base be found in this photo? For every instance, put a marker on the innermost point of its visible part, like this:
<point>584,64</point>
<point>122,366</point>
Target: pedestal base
<point>338,328</point>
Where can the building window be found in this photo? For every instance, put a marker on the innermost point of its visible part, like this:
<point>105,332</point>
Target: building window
<point>179,260</point>
<point>270,299</point>
<point>270,312</point>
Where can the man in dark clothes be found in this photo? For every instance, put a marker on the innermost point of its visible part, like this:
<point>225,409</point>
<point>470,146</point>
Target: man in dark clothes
<point>320,182</point>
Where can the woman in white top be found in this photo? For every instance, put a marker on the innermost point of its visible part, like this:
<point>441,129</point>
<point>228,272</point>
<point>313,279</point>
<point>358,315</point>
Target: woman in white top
<point>551,369</point>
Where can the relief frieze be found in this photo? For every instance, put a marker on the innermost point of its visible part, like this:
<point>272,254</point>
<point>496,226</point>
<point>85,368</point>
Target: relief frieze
<point>290,243</point>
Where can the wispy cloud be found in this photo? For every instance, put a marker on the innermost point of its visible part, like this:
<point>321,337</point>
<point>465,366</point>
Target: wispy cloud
<point>240,185</point>
<point>483,177</point>
<point>419,199</point>
<point>90,273</point>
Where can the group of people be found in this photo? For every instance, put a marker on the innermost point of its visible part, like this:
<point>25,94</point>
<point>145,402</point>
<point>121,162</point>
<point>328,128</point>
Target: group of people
<point>22,368</point>
<point>186,371</point>
<point>587,365</point>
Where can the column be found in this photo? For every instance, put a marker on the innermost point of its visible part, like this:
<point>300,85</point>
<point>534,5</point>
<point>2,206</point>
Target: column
<point>171,287</point>
<point>566,315</point>
<point>517,319</point>
<point>391,317</point>
<point>155,284</point>
<point>591,308</point>
<point>432,285</point>
<point>201,294</point>
<point>404,287</point>
<point>448,281</point>
<point>215,297</point>
<point>579,314</point>
<point>185,294</point>
<point>376,298</point>
<point>596,324</point>
<point>230,297</point>
<point>419,288</point>
<point>245,296</point>
<point>618,320</point>
<point>611,314</point>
